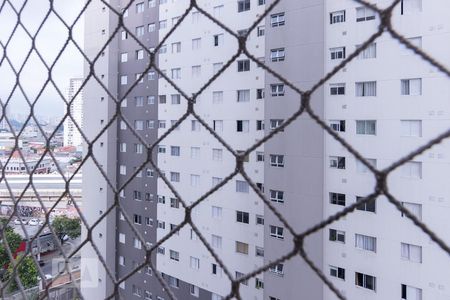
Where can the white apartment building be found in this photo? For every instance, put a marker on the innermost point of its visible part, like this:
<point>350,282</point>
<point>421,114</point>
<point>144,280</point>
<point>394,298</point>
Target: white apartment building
<point>72,135</point>
<point>385,103</point>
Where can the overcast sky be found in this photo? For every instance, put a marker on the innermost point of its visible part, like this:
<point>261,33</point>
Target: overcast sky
<point>49,43</point>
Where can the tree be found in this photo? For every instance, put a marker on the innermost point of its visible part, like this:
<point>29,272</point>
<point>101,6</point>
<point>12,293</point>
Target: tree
<point>67,226</point>
<point>27,272</point>
<point>13,240</point>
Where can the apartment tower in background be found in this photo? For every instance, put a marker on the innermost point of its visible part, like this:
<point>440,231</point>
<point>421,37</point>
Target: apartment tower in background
<point>385,103</point>
<point>72,135</point>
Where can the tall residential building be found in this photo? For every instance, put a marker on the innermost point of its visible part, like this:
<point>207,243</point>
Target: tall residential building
<point>386,96</point>
<point>72,135</point>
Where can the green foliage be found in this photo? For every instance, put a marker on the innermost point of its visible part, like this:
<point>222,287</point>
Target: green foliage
<point>67,226</point>
<point>27,272</point>
<point>13,240</point>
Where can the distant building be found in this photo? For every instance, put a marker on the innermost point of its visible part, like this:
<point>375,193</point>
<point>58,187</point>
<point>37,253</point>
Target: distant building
<point>16,165</point>
<point>72,136</point>
<point>3,123</point>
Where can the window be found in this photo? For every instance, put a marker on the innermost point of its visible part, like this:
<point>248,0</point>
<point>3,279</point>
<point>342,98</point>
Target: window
<point>277,19</point>
<point>173,282</point>
<point>218,40</point>
<point>123,79</point>
<point>137,195</point>
<point>366,89</point>
<point>176,73</point>
<point>121,238</point>
<point>259,156</point>
<point>337,198</point>
<point>337,162</point>
<point>174,255</point>
<point>137,219</point>
<point>217,97</point>
<point>123,147</point>
<point>259,125</point>
<point>412,169</point>
<point>216,297</point>
<point>277,196</point>
<point>414,208</point>
<point>367,127</point>
<point>410,6</point>
<point>148,221</point>
<point>218,125</point>
<point>242,186</point>
<point>162,24</point>
<point>196,71</point>
<point>415,41</point>
<point>217,154</point>
<point>217,67</point>
<point>176,47</point>
<point>195,152</point>
<point>139,7</point>
<point>175,150</point>
<point>124,57</point>
<point>277,90</point>
<point>366,242</point>
<point>137,291</point>
<point>364,14</point>
<point>139,101</point>
<point>411,87</point>
<point>174,176</point>
<point>260,30</point>
<point>195,180</point>
<point>259,220</point>
<point>411,128</point>
<point>239,275</point>
<point>337,272</point>
<point>411,252</point>
<point>194,263</point>
<point>242,125</point>
<point>151,27</point>
<point>242,217</point>
<point>337,236</point>
<point>275,123</point>
<point>369,52</point>
<point>277,269</point>
<point>194,290</point>
<point>409,292</point>
<point>216,212</point>
<point>277,54</point>
<point>139,31</point>
<point>337,17</point>
<point>124,35</point>
<point>277,160</point>
<point>123,170</point>
<point>243,5</point>
<point>139,54</point>
<point>260,94</point>
<point>337,89</point>
<point>216,241</point>
<point>121,260</point>
<point>369,206</point>
<point>338,125</point>
<point>196,43</point>
<point>162,124</point>
<point>174,203</point>
<point>241,247</point>
<point>217,11</point>
<point>137,243</point>
<point>276,232</point>
<point>175,98</point>
<point>150,100</point>
<point>365,281</point>
<point>362,168</point>
<point>243,95</point>
<point>337,53</point>
<point>243,65</point>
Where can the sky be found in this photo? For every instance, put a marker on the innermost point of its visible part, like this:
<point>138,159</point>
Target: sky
<point>48,42</point>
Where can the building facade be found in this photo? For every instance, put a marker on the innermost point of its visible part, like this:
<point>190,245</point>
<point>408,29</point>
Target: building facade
<point>72,135</point>
<point>373,253</point>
